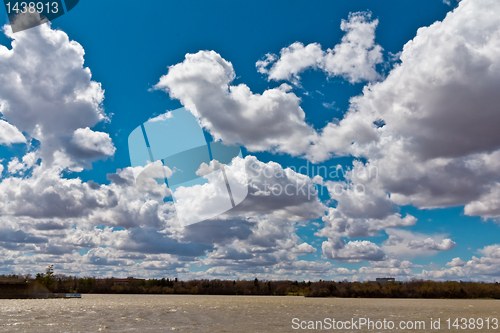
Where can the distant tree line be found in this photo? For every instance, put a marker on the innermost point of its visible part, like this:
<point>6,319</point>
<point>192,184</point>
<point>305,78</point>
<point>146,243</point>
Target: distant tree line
<point>59,283</point>
<point>409,289</point>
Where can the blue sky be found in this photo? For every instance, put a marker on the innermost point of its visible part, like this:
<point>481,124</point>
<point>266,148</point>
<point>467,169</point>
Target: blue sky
<point>423,84</point>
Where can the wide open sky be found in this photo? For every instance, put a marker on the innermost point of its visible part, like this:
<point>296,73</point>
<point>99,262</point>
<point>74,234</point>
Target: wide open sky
<point>393,104</point>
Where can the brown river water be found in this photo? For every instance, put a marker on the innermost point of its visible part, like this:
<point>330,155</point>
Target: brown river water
<point>193,313</point>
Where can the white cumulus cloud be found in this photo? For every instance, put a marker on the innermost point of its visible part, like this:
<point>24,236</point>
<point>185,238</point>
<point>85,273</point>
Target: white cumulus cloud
<point>272,120</point>
<point>355,58</point>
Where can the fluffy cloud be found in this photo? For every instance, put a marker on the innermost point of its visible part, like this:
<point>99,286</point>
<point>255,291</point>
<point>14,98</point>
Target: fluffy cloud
<point>50,236</point>
<point>274,193</point>
<point>459,66</point>
<point>339,225</point>
<point>13,238</point>
<point>429,127</point>
<point>487,205</point>
<point>279,192</point>
<point>47,93</point>
<point>88,144</point>
<point>259,235</point>
<point>150,240</point>
<point>403,270</point>
<point>484,268</point>
<point>304,248</point>
<point>53,216</point>
<point>133,206</point>
<point>27,162</point>
<point>354,58</point>
<point>272,120</point>
<point>45,194</point>
<point>407,244</point>
<point>293,60</point>
<point>354,251</point>
<point>456,262</point>
<point>10,134</point>
<point>413,127</point>
<point>363,209</point>
<point>430,244</point>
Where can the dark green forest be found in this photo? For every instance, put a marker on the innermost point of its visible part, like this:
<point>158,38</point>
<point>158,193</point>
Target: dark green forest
<point>59,283</point>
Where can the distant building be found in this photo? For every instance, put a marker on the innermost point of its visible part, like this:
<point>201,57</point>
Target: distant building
<point>127,281</point>
<point>386,280</point>
<point>14,288</point>
<point>121,282</point>
<point>21,289</point>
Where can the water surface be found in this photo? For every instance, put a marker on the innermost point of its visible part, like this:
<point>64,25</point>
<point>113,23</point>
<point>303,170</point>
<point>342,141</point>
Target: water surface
<point>193,313</point>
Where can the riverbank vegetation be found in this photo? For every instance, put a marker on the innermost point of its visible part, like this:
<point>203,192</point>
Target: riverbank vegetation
<point>59,283</point>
